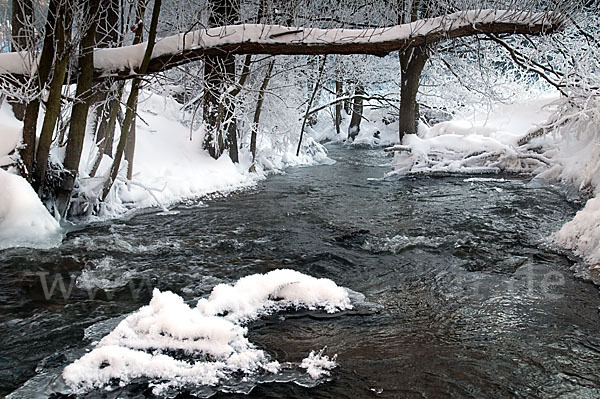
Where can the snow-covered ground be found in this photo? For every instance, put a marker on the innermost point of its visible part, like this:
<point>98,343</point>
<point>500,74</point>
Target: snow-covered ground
<point>173,344</point>
<point>169,166</point>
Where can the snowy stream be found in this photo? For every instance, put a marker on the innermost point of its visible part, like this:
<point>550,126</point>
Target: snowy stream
<point>462,296</point>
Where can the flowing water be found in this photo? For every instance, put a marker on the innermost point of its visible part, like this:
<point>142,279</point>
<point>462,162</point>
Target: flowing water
<point>462,296</point>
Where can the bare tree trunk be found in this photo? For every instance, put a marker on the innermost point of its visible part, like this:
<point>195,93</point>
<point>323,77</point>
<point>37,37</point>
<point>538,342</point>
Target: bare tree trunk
<point>128,132</point>
<point>33,107</point>
<point>130,145</point>
<point>106,145</point>
<point>230,125</point>
<point>108,34</point>
<point>258,110</point>
<point>63,39</point>
<point>310,102</point>
<point>131,101</point>
<point>412,63</point>
<point>79,113</point>
<point>217,77</point>
<point>357,112</point>
<point>22,21</point>
<point>338,106</point>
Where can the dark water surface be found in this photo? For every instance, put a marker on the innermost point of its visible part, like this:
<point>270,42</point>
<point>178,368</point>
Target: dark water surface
<point>463,298</point>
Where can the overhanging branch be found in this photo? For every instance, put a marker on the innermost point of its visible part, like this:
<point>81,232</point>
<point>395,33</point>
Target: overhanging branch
<point>169,52</point>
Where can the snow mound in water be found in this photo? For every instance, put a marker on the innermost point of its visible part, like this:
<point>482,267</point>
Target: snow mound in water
<point>318,365</point>
<point>172,344</point>
<point>261,294</point>
<point>24,220</point>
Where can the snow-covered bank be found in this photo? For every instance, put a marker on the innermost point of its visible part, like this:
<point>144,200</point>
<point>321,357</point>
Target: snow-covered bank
<point>582,234</point>
<point>493,142</point>
<point>484,142</point>
<point>24,220</point>
<point>576,146</point>
<point>172,344</point>
<point>170,166</point>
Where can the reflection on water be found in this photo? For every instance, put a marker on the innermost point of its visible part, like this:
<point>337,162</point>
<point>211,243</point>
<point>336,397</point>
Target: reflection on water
<point>462,297</point>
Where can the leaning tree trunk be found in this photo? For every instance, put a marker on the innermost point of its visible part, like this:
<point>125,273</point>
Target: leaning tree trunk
<point>357,112</point>
<point>310,103</point>
<point>130,144</point>
<point>258,110</point>
<point>63,39</point>
<point>79,113</point>
<point>412,63</point>
<point>339,92</point>
<point>22,21</point>
<point>33,107</point>
<point>131,102</point>
<point>126,145</point>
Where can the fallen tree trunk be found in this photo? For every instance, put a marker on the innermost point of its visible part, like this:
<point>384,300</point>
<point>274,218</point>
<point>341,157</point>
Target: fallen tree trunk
<point>125,62</point>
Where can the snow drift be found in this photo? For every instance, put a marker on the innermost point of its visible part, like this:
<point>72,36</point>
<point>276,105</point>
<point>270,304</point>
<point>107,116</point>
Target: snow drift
<point>24,220</point>
<point>478,143</point>
<point>172,344</point>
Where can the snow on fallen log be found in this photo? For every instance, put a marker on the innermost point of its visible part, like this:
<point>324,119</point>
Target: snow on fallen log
<point>274,39</point>
<point>397,148</point>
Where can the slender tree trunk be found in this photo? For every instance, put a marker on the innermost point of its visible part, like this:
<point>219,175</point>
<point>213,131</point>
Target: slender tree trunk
<point>258,110</point>
<point>131,100</point>
<point>230,126</point>
<point>106,145</point>
<point>108,34</point>
<point>357,112</point>
<point>63,38</point>
<point>338,106</point>
<point>33,107</point>
<point>22,21</point>
<point>130,145</point>
<point>310,102</point>
<point>412,63</point>
<point>130,133</point>
<point>79,113</point>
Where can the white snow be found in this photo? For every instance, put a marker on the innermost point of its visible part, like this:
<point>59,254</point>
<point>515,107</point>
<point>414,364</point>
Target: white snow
<point>10,134</point>
<point>24,220</point>
<point>260,294</point>
<point>582,234</point>
<point>129,57</point>
<point>318,365</point>
<point>483,142</point>
<point>169,167</point>
<point>211,335</point>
